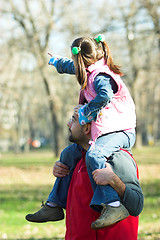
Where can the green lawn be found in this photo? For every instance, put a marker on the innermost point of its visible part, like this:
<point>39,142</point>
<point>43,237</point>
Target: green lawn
<point>26,180</point>
<point>148,159</point>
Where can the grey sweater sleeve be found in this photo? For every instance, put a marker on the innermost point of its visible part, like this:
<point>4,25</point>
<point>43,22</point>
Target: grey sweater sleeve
<point>133,200</point>
<point>125,168</point>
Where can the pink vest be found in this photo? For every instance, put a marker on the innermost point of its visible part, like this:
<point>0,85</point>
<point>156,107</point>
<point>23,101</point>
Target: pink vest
<point>119,114</point>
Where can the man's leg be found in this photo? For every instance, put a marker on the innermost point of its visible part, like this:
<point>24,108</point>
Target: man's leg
<point>52,209</point>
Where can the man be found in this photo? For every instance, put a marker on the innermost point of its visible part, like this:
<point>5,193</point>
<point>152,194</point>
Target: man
<point>130,193</point>
<point>78,215</point>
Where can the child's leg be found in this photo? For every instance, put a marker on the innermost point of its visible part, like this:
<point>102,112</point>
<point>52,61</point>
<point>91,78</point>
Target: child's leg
<point>106,196</point>
<point>52,210</point>
<point>129,143</point>
<point>95,159</point>
<point>69,156</point>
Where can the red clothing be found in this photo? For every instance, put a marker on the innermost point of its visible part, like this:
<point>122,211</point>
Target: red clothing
<point>79,215</point>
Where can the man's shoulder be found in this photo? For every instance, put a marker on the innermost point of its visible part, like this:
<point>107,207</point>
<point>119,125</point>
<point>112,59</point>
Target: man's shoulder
<point>122,152</point>
<point>122,159</point>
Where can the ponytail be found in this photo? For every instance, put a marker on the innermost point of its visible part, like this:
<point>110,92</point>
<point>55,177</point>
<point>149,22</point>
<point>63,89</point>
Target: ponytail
<point>81,73</point>
<point>84,54</point>
<point>109,60</point>
<point>86,51</point>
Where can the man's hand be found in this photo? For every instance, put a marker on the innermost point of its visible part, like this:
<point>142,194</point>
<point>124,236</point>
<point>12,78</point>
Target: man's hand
<point>106,176</point>
<point>60,169</point>
<point>103,176</point>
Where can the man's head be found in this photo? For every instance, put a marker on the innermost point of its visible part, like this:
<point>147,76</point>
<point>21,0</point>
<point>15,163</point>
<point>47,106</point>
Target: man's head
<point>79,134</point>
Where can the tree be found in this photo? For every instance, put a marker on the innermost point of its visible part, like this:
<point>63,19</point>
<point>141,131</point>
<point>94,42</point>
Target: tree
<point>36,39</point>
<point>130,28</point>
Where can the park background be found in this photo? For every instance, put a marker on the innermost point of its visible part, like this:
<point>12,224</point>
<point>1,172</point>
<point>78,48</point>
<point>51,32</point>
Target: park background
<point>36,102</point>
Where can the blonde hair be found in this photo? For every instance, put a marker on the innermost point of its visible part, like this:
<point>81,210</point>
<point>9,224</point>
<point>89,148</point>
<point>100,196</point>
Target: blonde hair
<point>90,52</point>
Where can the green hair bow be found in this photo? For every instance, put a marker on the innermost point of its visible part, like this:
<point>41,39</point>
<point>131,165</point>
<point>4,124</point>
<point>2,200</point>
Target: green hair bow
<point>100,38</point>
<point>76,50</point>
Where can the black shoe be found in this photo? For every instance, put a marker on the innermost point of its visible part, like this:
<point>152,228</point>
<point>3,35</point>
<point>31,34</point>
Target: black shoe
<point>46,214</point>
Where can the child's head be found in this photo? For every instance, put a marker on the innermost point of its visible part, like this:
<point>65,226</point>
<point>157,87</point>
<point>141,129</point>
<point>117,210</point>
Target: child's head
<point>86,51</point>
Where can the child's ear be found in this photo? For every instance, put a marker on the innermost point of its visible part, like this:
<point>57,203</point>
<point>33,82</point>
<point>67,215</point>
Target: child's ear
<point>87,128</point>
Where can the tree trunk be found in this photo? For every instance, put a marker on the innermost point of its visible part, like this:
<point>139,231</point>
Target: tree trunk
<point>56,131</point>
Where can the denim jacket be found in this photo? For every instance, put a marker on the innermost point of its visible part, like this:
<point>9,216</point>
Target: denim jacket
<point>104,85</point>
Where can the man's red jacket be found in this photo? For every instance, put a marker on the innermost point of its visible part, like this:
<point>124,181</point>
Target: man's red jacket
<point>79,215</point>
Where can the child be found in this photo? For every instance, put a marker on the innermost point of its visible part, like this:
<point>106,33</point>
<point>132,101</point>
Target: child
<point>110,109</point>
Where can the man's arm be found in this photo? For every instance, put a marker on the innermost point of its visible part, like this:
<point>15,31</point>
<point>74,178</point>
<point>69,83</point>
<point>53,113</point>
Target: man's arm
<point>106,176</point>
<point>68,160</point>
<point>131,198</point>
<point>130,192</point>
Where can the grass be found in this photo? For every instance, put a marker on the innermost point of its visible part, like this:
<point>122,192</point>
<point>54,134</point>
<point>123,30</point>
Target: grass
<point>26,180</point>
<point>148,159</point>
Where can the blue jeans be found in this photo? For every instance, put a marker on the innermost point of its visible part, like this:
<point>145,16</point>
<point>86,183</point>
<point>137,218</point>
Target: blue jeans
<point>96,158</point>
<point>69,156</point>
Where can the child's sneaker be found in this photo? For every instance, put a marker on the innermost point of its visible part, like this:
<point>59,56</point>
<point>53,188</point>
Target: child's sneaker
<point>46,214</point>
<point>109,216</point>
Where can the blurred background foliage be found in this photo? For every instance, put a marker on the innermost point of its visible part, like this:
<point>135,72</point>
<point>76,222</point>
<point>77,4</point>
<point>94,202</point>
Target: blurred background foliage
<point>36,102</point>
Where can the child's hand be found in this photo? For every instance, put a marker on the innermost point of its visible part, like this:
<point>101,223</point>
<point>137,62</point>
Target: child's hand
<point>50,54</point>
<point>53,60</point>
